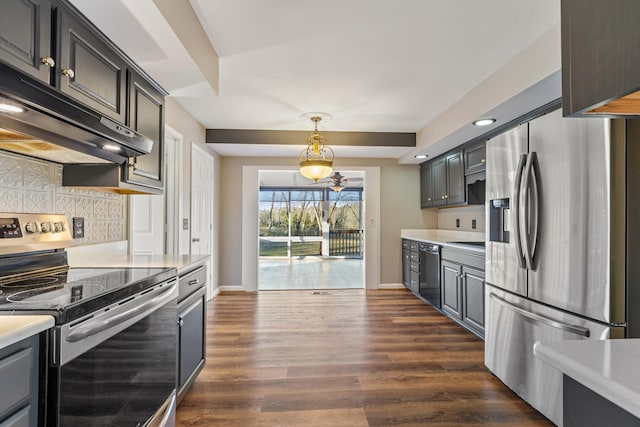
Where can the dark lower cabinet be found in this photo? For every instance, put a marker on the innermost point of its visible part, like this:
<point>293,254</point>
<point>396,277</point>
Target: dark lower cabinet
<point>89,70</point>
<point>450,281</point>
<point>411,265</point>
<point>583,407</point>
<point>473,299</point>
<point>462,281</point>
<point>25,37</point>
<point>19,383</point>
<point>192,323</point>
<point>406,264</point>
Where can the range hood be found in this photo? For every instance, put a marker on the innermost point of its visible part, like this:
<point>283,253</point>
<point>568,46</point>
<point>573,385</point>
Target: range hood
<point>49,125</point>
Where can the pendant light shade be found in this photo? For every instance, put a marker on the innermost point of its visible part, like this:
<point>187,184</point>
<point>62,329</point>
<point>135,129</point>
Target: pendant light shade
<point>316,161</point>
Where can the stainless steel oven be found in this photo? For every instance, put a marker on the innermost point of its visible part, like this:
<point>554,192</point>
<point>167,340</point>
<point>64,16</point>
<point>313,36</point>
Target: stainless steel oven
<point>111,356</point>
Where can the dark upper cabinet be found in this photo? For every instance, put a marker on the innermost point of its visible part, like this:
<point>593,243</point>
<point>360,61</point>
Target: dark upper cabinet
<point>146,115</point>
<point>25,34</point>
<point>600,57</point>
<point>455,179</point>
<point>439,178</point>
<point>88,69</point>
<point>475,158</point>
<point>426,186</point>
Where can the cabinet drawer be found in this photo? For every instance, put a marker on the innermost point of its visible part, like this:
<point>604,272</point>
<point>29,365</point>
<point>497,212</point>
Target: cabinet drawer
<point>414,257</point>
<point>16,370</point>
<point>191,281</point>
<point>405,244</point>
<point>22,418</point>
<point>414,282</point>
<point>413,246</point>
<point>415,266</point>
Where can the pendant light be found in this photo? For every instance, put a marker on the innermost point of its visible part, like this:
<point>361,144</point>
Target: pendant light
<point>316,161</point>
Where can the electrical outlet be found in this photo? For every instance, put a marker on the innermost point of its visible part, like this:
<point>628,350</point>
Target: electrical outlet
<point>78,227</point>
<point>457,222</point>
<point>473,224</point>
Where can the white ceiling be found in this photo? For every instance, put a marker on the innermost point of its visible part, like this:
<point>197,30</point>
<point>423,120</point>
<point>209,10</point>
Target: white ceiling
<point>374,65</point>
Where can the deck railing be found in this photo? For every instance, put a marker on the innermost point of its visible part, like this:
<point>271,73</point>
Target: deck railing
<point>345,243</point>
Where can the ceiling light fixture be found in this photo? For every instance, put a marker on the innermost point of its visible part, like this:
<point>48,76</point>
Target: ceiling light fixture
<point>111,147</point>
<point>9,108</point>
<point>316,161</point>
<point>484,122</point>
<point>420,156</point>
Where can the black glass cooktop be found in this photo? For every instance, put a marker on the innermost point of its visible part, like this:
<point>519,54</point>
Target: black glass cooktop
<point>73,293</point>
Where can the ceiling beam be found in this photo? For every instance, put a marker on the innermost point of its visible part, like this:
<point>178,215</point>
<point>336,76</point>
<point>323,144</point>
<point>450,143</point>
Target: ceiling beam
<point>294,137</point>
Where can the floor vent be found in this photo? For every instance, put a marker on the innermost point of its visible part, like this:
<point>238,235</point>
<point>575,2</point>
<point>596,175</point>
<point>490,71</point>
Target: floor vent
<point>320,293</point>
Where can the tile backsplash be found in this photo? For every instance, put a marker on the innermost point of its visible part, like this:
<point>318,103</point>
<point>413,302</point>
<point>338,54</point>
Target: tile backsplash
<point>34,186</point>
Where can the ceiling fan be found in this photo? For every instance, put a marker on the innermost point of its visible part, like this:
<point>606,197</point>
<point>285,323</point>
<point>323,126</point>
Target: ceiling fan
<point>337,181</point>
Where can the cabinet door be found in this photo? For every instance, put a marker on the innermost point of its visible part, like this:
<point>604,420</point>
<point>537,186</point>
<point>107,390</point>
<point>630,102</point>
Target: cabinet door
<point>25,36</point>
<point>88,69</point>
<point>474,158</point>
<point>191,338</point>
<point>451,296</point>
<point>426,186</point>
<point>146,115</point>
<point>439,178</point>
<point>455,179</point>
<point>406,267</point>
<point>473,299</point>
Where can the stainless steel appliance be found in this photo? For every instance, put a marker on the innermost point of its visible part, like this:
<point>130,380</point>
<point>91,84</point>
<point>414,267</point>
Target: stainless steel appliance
<point>553,252</point>
<point>112,352</point>
<point>430,273</point>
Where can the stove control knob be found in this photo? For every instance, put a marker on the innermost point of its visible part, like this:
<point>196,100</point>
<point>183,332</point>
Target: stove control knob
<point>31,227</point>
<point>58,226</point>
<point>45,227</point>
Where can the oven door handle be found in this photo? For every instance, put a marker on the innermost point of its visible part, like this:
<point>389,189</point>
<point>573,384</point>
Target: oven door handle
<point>146,303</point>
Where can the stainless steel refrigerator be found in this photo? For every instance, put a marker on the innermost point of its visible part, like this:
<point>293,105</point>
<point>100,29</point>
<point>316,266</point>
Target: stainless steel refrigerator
<point>554,254</point>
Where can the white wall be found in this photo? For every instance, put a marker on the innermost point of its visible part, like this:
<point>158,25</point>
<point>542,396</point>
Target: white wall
<point>447,218</point>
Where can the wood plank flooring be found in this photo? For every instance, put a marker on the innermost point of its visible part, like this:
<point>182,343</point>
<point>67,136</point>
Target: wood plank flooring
<point>344,358</point>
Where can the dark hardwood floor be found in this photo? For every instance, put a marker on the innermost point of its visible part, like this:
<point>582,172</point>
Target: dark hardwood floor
<point>343,358</point>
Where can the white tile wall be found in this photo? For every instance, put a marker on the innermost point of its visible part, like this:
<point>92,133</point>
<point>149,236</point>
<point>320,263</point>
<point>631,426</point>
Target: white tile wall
<point>34,186</point>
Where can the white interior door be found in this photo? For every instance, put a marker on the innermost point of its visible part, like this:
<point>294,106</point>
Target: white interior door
<point>202,206</point>
<point>146,224</point>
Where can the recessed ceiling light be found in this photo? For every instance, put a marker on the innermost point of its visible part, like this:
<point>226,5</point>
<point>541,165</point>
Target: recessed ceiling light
<point>9,108</point>
<point>420,156</point>
<point>111,147</point>
<point>484,122</point>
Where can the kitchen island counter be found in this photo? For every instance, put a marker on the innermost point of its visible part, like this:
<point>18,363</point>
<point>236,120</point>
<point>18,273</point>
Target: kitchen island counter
<point>607,367</point>
<point>19,327</point>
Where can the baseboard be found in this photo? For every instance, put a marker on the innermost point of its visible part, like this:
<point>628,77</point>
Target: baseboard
<point>390,286</point>
<point>232,288</point>
<point>214,293</point>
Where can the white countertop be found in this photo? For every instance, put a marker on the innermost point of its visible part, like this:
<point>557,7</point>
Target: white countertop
<point>445,237</point>
<point>18,327</point>
<point>610,368</point>
<point>180,262</point>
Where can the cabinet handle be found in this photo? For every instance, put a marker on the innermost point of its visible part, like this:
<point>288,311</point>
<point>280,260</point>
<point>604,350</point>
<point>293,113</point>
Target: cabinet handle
<point>48,61</point>
<point>195,239</point>
<point>429,199</point>
<point>445,196</point>
<point>180,322</point>
<point>193,282</point>
<point>69,73</point>
<point>482,161</point>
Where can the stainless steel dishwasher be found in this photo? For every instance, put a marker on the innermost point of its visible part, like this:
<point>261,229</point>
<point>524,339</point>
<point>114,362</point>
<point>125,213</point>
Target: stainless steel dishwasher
<point>430,273</point>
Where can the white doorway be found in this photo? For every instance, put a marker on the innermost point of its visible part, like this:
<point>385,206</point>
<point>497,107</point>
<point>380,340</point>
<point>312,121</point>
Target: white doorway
<point>202,231</point>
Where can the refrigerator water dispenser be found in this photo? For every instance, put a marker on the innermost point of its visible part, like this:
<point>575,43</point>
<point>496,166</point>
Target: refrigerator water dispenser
<point>499,220</point>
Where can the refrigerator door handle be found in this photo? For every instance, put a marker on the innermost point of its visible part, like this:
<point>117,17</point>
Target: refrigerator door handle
<point>574,329</point>
<point>530,208</point>
<point>536,210</point>
<point>518,213</point>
